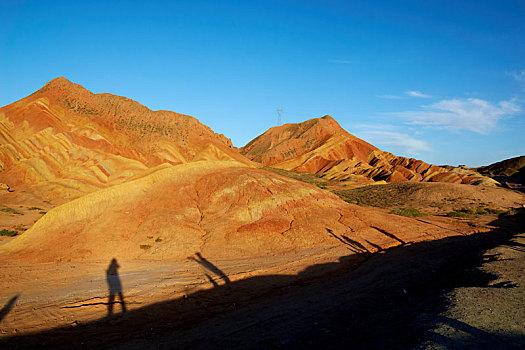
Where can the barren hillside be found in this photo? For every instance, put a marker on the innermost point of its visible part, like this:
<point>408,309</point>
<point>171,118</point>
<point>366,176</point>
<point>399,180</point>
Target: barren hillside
<point>64,141</point>
<point>321,146</point>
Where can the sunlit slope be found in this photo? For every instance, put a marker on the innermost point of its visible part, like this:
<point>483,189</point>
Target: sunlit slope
<point>321,146</point>
<point>221,209</point>
<point>64,141</point>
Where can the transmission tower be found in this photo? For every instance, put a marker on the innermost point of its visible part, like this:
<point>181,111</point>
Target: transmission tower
<point>279,112</point>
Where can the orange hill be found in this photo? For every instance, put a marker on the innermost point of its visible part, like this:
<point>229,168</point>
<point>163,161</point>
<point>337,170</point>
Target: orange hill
<point>223,209</point>
<point>64,141</point>
<point>321,146</point>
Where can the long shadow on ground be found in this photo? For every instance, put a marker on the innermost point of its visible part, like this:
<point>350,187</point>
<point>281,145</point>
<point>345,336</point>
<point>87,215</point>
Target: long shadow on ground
<point>364,301</point>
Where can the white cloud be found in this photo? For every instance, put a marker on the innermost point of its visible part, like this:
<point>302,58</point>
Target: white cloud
<point>387,138</point>
<point>470,114</point>
<point>418,94</point>
<point>412,93</point>
<point>389,97</point>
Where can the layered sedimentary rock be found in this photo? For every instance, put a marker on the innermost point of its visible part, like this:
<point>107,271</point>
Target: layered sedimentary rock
<point>64,141</point>
<point>221,209</point>
<point>321,146</point>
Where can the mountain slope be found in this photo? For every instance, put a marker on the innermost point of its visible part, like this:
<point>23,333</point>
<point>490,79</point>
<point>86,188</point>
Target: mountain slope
<point>512,170</point>
<point>64,141</point>
<point>321,146</point>
<point>292,141</point>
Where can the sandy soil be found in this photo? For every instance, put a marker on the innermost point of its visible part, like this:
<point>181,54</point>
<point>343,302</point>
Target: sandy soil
<point>451,293</point>
<point>45,296</point>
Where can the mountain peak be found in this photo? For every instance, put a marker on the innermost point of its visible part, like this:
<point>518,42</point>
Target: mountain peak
<point>59,80</point>
<point>285,142</point>
<point>328,121</point>
<point>62,84</point>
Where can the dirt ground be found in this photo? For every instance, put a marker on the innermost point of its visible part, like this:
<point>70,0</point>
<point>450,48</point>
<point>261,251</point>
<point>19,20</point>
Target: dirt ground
<point>40,297</point>
<point>458,292</point>
<point>489,315</point>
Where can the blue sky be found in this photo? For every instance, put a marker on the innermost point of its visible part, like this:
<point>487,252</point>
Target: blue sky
<point>442,81</point>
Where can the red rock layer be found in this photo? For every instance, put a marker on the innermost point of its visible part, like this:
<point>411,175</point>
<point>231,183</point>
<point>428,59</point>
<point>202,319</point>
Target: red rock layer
<point>321,146</point>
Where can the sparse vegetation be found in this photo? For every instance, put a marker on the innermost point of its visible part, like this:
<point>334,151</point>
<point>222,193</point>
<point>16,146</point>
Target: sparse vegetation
<point>409,212</point>
<point>34,208</point>
<point>481,211</point>
<point>144,127</point>
<point>158,240</point>
<point>298,175</point>
<point>381,196</point>
<point>8,233</point>
<point>10,211</point>
<point>80,107</point>
<point>470,212</point>
<point>510,212</point>
<point>467,213</point>
<point>460,214</point>
<point>43,212</point>
<point>145,246</point>
<point>497,211</point>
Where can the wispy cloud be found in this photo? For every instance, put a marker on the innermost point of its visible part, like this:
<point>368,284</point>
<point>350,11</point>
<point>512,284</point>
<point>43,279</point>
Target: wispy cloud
<point>471,114</point>
<point>411,93</point>
<point>341,61</point>
<point>390,139</point>
<point>518,75</point>
<point>390,97</point>
<point>416,93</point>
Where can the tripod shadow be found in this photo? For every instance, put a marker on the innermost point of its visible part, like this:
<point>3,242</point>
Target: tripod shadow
<point>114,286</point>
<point>210,267</point>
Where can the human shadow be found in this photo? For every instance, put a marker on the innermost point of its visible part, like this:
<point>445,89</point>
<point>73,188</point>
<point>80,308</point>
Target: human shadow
<point>114,286</point>
<point>392,300</point>
<point>208,265</point>
<point>8,306</point>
